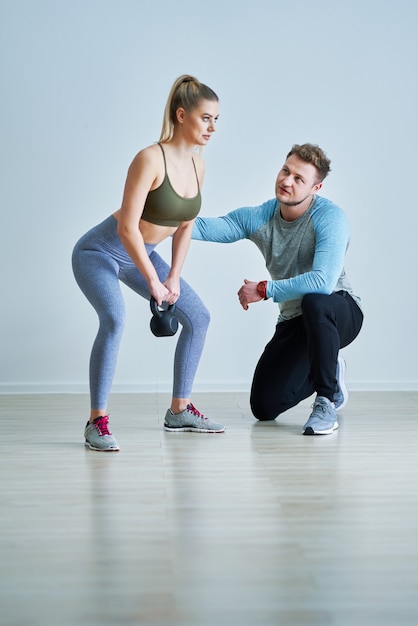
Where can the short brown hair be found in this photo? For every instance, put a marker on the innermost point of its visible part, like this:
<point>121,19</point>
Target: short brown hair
<point>311,153</point>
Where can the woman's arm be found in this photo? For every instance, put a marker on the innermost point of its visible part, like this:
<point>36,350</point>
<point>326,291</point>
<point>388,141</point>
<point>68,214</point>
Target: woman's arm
<point>142,176</point>
<point>180,245</point>
<point>181,240</point>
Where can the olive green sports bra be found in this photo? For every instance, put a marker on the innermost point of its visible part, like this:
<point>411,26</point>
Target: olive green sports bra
<point>165,207</point>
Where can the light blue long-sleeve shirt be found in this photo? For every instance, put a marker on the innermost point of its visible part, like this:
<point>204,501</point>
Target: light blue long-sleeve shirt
<point>302,256</point>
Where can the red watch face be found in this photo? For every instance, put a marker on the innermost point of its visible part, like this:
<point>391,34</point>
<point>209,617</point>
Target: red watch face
<point>261,288</point>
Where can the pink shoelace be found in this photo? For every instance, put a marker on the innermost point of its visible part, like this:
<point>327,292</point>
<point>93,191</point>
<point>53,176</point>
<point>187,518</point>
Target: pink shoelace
<point>192,409</point>
<point>102,425</point>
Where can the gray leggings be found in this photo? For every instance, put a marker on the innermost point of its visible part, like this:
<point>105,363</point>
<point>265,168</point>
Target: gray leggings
<point>99,262</point>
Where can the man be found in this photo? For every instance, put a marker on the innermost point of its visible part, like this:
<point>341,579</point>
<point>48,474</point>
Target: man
<point>303,238</point>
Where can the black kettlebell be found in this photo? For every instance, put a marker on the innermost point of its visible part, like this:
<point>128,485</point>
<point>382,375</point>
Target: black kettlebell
<point>163,323</point>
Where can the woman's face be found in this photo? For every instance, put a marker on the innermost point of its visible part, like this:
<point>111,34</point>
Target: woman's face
<point>199,124</point>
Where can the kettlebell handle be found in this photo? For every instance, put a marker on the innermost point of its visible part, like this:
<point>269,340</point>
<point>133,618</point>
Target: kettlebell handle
<point>155,309</point>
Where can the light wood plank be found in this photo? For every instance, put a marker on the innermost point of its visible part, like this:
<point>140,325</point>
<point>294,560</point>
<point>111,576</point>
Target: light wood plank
<point>258,525</point>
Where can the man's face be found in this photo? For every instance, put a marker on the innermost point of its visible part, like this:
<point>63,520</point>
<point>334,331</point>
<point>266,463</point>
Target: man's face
<point>296,181</point>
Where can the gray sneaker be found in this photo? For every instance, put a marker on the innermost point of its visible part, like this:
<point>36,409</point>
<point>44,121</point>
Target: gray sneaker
<point>98,436</point>
<point>341,396</point>
<point>323,419</point>
<point>190,420</point>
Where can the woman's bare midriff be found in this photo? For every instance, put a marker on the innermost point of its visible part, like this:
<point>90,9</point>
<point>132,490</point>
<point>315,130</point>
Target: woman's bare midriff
<point>152,233</point>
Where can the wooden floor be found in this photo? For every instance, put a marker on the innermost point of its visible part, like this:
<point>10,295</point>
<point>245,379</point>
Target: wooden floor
<point>256,526</point>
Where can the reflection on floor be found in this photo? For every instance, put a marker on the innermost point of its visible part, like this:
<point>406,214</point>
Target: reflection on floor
<point>256,526</point>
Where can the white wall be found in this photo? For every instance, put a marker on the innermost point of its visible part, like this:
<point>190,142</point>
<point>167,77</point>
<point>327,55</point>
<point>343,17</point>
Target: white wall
<point>83,86</point>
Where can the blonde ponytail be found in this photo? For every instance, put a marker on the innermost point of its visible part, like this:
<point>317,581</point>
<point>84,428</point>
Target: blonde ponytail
<point>186,93</point>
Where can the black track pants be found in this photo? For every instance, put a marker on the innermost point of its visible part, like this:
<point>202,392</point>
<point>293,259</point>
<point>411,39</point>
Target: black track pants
<point>301,358</point>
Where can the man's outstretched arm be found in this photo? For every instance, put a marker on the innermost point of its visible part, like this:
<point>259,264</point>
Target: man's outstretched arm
<point>236,225</point>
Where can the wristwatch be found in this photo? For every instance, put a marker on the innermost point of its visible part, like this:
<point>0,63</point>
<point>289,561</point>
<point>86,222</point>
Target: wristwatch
<point>261,289</point>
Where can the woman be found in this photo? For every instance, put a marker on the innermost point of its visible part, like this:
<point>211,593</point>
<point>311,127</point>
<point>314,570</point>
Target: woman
<point>160,200</point>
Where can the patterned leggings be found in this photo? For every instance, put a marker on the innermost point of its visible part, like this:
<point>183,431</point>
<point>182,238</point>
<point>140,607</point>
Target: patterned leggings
<point>99,262</point>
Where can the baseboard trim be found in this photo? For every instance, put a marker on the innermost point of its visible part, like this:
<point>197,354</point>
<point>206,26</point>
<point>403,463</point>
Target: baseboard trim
<point>214,387</point>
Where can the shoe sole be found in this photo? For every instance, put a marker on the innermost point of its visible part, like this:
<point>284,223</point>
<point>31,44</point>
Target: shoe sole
<point>329,431</point>
<point>190,429</point>
<point>89,445</point>
<point>341,383</point>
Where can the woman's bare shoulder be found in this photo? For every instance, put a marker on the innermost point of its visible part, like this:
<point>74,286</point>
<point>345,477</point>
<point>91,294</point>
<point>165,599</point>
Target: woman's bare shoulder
<point>148,158</point>
<point>148,154</point>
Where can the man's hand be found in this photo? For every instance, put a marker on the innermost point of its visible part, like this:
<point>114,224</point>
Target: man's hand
<point>248,293</point>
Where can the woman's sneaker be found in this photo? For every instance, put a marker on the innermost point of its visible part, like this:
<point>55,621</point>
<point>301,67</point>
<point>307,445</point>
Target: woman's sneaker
<point>98,436</point>
<point>190,420</point>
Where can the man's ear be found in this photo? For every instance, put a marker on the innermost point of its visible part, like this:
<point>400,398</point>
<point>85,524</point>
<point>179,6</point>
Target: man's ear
<point>317,187</point>
<point>180,114</point>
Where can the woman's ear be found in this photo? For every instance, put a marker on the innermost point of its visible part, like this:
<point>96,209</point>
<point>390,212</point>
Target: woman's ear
<point>180,115</point>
